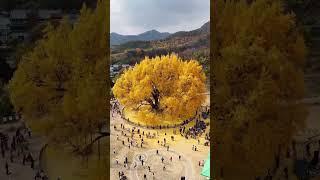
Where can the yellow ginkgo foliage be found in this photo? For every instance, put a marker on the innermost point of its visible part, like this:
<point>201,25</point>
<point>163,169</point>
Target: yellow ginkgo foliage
<point>60,86</point>
<point>257,81</point>
<point>162,90</point>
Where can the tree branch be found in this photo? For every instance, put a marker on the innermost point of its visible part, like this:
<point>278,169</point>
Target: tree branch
<point>88,147</point>
<point>142,104</point>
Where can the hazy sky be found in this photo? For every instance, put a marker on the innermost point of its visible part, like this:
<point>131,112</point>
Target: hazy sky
<point>137,16</point>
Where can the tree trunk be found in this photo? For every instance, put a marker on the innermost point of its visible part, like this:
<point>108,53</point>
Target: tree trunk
<point>99,149</point>
<point>155,101</point>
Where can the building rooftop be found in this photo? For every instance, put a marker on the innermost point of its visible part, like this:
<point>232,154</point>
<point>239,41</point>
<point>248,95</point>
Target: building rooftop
<point>47,14</point>
<point>19,14</point>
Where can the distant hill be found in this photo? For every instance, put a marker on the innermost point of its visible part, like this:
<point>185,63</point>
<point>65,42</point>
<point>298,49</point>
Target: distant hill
<point>187,44</point>
<point>117,39</point>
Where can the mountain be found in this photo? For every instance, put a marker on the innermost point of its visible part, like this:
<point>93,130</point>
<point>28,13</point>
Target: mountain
<point>187,44</point>
<point>117,39</point>
<point>204,30</point>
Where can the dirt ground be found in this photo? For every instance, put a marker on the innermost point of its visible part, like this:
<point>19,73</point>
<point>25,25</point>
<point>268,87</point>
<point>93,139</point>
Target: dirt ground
<point>188,165</point>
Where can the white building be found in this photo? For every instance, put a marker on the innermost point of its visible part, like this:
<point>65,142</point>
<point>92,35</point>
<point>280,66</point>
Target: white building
<point>19,24</point>
<point>4,30</point>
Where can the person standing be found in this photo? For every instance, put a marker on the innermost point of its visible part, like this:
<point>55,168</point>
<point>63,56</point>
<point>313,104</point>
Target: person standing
<point>11,156</point>
<point>2,151</point>
<point>7,168</point>
<point>32,163</point>
<point>37,176</point>
<point>29,133</point>
<point>45,177</point>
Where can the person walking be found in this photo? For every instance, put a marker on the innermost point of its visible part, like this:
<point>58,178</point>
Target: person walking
<point>37,176</point>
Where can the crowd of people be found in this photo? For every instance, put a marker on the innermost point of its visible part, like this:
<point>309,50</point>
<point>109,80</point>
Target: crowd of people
<point>136,137</point>
<point>197,130</point>
<point>15,150</point>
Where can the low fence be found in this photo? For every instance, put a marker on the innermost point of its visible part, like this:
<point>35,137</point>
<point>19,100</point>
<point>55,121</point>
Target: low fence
<point>10,119</point>
<point>160,126</point>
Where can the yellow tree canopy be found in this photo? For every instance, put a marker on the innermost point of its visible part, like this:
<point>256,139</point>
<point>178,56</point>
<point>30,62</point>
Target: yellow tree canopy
<point>162,86</point>
<point>258,83</point>
<point>60,86</point>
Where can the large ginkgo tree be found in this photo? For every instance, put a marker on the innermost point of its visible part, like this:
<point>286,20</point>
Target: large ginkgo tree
<point>163,88</point>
